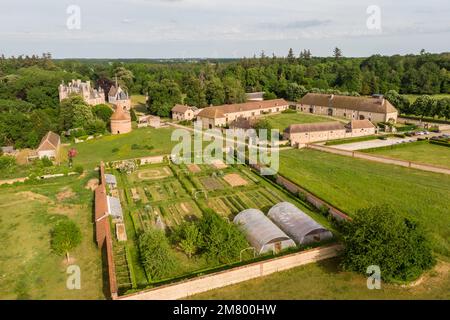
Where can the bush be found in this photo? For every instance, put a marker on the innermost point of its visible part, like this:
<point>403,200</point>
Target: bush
<point>324,210</point>
<point>7,162</point>
<point>115,150</point>
<point>221,241</point>
<point>380,236</point>
<point>302,196</point>
<point>66,235</point>
<point>289,111</point>
<point>79,169</point>
<point>156,256</point>
<point>46,162</point>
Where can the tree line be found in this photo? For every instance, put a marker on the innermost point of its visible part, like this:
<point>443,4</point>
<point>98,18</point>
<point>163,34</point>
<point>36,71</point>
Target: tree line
<point>29,104</point>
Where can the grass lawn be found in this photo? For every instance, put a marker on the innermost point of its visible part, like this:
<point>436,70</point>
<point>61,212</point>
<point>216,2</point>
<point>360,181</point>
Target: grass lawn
<point>325,280</point>
<point>420,152</point>
<point>351,184</point>
<point>138,103</point>
<point>283,120</point>
<point>91,152</point>
<point>28,268</point>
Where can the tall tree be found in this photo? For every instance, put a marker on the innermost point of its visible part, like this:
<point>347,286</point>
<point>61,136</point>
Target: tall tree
<point>337,53</point>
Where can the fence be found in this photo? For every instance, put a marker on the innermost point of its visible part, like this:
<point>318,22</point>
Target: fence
<point>239,274</point>
<point>381,159</point>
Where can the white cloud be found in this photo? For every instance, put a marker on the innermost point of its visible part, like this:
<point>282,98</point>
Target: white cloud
<point>234,24</point>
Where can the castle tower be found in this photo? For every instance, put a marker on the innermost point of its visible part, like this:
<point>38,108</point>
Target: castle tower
<point>120,121</point>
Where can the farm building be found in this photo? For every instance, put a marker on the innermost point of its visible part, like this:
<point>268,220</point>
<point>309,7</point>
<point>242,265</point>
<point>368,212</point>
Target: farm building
<point>149,121</point>
<point>262,233</point>
<point>183,112</point>
<point>111,180</point>
<point>49,146</point>
<point>297,224</point>
<point>375,108</point>
<point>313,132</point>
<point>219,116</point>
<point>115,209</point>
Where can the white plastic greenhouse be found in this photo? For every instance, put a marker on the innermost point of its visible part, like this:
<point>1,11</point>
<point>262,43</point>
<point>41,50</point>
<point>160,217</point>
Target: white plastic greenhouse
<point>262,233</point>
<point>297,224</point>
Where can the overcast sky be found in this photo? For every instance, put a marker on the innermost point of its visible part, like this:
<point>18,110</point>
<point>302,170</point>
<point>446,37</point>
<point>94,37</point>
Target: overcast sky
<point>221,28</point>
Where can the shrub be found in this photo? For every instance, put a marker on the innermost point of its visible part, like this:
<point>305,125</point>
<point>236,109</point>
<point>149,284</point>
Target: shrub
<point>324,210</point>
<point>156,256</point>
<point>302,196</point>
<point>289,111</point>
<point>66,235</point>
<point>46,162</point>
<point>221,241</point>
<point>115,150</point>
<point>79,169</point>
<point>7,162</point>
<point>380,236</point>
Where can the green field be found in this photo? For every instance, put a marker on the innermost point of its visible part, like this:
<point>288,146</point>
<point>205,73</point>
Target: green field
<point>283,120</point>
<point>419,152</point>
<point>28,268</point>
<point>351,184</point>
<point>91,152</point>
<point>325,280</point>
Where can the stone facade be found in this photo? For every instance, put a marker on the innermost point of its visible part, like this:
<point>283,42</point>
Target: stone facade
<point>220,116</point>
<point>183,112</point>
<point>90,95</point>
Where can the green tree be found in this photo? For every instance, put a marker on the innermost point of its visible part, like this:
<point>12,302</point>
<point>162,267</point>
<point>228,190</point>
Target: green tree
<point>380,236</point>
<point>222,241</point>
<point>234,92</point>
<point>195,93</point>
<point>155,254</point>
<point>75,113</point>
<point>263,123</point>
<point>188,238</point>
<point>103,112</point>
<point>337,53</point>
<point>294,91</point>
<point>66,235</point>
<point>398,101</point>
<point>215,92</point>
<point>423,106</point>
<point>163,96</point>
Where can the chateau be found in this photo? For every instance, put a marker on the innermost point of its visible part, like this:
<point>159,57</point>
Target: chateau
<point>375,109</point>
<point>90,95</point>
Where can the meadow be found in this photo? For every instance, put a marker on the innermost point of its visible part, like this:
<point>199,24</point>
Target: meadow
<point>147,141</point>
<point>28,267</point>
<point>283,120</point>
<point>418,151</point>
<point>351,184</point>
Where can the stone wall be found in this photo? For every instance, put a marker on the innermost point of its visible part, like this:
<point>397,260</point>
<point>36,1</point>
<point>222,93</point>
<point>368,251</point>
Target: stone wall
<point>225,278</point>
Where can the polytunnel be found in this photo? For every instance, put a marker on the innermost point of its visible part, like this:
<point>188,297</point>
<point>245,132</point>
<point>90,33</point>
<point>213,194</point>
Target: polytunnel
<point>262,233</point>
<point>297,224</point>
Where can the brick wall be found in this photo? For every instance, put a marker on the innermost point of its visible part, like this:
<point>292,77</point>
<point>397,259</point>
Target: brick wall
<point>103,231</point>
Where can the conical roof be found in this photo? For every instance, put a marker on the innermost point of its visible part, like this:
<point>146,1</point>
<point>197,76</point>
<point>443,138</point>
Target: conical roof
<point>120,114</point>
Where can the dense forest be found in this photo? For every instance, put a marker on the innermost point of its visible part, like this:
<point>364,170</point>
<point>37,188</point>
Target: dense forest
<point>29,104</point>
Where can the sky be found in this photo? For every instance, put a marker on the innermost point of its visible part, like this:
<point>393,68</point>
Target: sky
<point>221,28</point>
